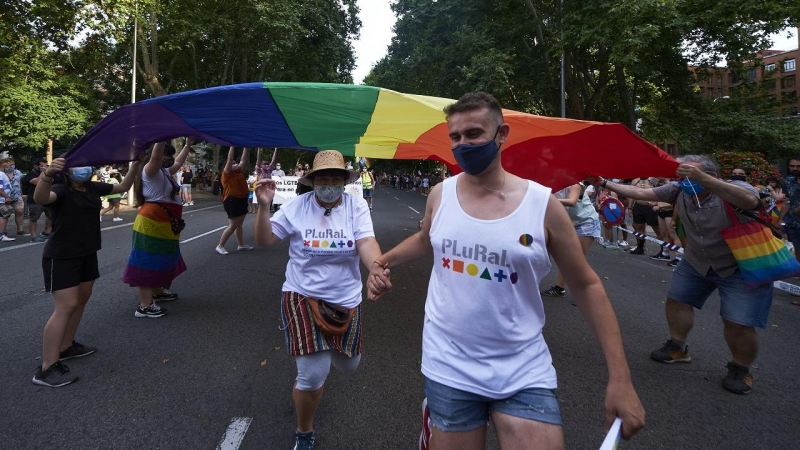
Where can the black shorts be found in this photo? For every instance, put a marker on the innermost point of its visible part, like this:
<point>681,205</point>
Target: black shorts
<point>114,201</point>
<point>664,213</point>
<point>235,207</point>
<point>66,273</point>
<point>644,214</point>
<point>35,211</point>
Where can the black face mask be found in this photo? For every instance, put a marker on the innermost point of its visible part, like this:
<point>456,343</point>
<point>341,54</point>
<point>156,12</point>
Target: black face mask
<point>739,177</point>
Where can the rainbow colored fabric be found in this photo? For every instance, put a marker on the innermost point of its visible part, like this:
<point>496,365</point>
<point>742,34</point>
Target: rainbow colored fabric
<point>762,258</point>
<point>365,121</point>
<point>155,258</point>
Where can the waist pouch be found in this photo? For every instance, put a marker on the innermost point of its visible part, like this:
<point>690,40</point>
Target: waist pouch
<point>331,319</point>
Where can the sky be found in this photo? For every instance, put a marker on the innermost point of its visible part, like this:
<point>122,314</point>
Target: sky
<point>378,21</point>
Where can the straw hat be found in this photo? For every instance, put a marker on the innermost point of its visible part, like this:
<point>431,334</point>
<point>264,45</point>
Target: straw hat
<point>328,159</point>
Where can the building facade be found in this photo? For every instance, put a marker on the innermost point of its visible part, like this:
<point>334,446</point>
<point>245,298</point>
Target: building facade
<point>773,71</point>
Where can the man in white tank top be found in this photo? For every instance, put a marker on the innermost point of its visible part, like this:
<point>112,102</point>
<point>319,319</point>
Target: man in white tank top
<point>492,234</point>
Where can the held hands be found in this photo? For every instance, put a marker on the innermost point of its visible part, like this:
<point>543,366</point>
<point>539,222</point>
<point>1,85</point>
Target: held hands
<point>265,191</point>
<point>378,282</point>
<point>56,166</point>
<point>623,402</point>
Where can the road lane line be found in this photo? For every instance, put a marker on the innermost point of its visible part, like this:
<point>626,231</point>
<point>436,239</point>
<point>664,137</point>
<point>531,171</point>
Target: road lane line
<point>204,234</point>
<point>20,246</point>
<point>396,198</point>
<point>235,433</point>
<point>414,210</point>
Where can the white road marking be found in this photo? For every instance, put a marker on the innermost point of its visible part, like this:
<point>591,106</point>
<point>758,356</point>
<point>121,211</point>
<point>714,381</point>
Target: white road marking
<point>235,433</point>
<point>20,246</point>
<point>414,210</point>
<point>204,234</point>
<point>396,198</point>
<point>117,226</point>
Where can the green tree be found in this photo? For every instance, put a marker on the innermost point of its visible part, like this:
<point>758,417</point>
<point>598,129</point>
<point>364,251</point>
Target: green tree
<point>41,97</point>
<point>620,56</point>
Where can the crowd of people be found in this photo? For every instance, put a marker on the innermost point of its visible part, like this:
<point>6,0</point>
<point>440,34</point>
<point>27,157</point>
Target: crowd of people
<point>519,225</point>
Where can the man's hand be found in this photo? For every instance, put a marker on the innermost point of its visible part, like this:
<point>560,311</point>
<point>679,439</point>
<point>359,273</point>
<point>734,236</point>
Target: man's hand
<point>378,282</point>
<point>693,173</point>
<point>623,402</point>
<point>595,180</point>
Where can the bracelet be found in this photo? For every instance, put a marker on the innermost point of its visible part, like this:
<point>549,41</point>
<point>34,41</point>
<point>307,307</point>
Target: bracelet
<point>383,265</point>
<point>42,178</point>
<point>603,184</point>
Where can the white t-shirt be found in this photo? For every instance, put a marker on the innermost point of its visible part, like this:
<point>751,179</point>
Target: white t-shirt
<point>323,260</point>
<point>278,173</point>
<point>484,313</point>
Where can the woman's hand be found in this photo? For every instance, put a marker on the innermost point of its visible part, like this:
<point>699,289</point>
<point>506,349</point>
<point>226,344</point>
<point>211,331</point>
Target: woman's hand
<point>56,166</point>
<point>265,191</point>
<point>378,282</point>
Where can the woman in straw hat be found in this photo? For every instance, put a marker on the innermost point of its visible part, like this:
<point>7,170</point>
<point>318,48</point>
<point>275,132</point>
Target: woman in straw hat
<point>329,233</point>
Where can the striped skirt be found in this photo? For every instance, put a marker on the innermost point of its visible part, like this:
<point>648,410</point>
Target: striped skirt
<point>302,335</point>
<point>155,258</point>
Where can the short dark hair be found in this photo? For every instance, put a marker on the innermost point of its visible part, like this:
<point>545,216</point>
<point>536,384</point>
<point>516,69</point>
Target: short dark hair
<point>38,161</point>
<point>474,101</point>
<point>794,158</point>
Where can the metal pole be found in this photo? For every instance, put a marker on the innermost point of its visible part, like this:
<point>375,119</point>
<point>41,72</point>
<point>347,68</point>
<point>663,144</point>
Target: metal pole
<point>135,43</point>
<point>563,96</point>
<point>133,82</point>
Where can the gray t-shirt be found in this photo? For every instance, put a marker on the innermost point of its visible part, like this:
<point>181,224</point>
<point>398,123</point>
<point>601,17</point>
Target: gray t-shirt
<point>705,247</point>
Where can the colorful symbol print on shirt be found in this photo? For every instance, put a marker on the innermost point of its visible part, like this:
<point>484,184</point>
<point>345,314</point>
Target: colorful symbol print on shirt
<point>472,270</point>
<point>526,239</point>
<point>327,244</point>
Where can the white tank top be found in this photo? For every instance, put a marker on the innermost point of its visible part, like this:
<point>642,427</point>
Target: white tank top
<point>159,188</point>
<point>484,314</point>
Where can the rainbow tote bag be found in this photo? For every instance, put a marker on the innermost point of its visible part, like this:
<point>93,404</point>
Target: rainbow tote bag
<point>762,258</point>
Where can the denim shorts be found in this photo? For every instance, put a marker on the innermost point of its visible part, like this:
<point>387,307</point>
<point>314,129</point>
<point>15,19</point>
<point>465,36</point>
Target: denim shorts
<point>456,410</point>
<point>590,229</point>
<point>738,303</point>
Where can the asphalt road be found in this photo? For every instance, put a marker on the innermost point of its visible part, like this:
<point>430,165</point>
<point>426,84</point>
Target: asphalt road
<point>218,358</point>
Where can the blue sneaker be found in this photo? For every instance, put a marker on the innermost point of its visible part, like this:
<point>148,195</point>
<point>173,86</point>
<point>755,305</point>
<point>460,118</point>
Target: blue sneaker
<point>304,441</point>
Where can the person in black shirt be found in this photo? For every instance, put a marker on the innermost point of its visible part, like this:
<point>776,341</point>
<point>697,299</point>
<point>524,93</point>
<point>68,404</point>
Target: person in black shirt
<point>186,186</point>
<point>28,184</point>
<point>69,261</point>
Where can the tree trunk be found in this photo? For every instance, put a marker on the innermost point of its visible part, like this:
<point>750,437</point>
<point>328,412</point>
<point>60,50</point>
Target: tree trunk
<point>628,103</point>
<point>49,150</point>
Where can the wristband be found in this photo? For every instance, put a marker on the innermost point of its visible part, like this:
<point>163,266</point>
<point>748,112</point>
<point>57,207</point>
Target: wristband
<point>603,184</point>
<point>42,178</point>
<point>383,265</point>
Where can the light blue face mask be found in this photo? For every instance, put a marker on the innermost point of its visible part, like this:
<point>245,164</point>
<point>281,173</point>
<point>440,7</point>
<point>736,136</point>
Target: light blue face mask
<point>81,174</point>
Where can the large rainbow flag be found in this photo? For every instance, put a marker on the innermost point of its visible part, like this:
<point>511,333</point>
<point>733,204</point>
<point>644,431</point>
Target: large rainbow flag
<point>365,121</point>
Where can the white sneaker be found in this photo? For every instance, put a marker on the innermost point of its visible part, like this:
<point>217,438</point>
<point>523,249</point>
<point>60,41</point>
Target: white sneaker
<point>221,250</point>
<point>117,219</point>
<point>244,247</point>
<point>191,203</point>
<point>5,238</point>
<point>623,244</point>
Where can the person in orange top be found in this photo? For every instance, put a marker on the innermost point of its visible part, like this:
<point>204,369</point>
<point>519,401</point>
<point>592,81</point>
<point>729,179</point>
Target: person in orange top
<point>234,199</point>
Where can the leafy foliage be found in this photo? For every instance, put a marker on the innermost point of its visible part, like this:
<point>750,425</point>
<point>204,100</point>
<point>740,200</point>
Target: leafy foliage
<point>754,164</point>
